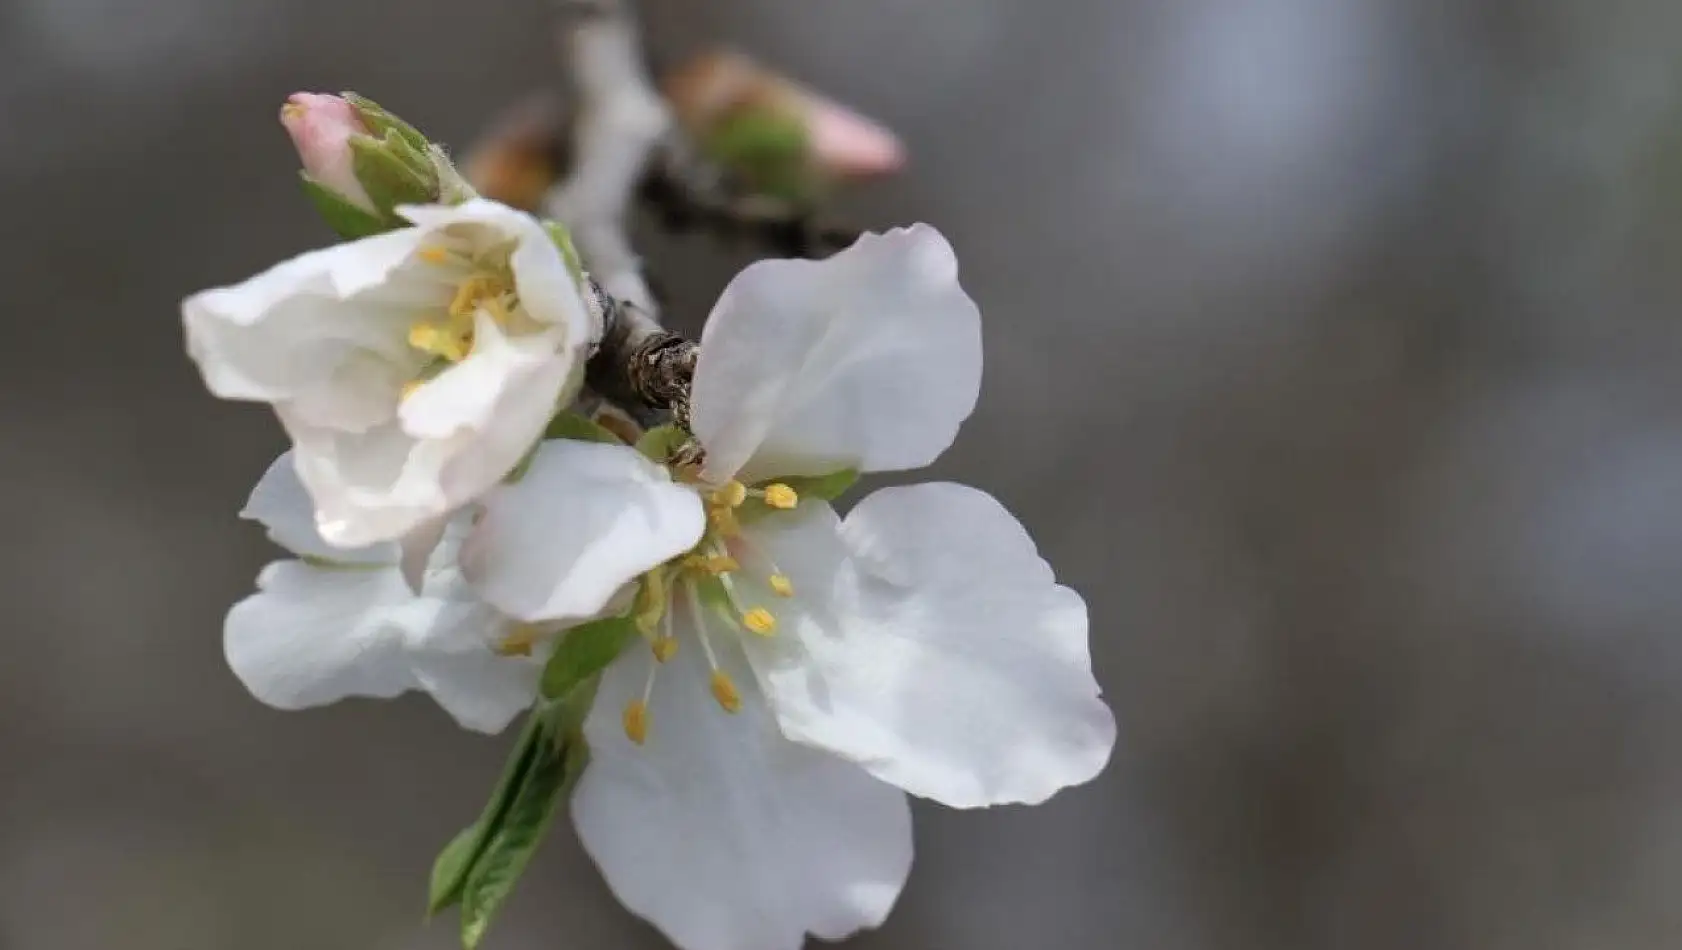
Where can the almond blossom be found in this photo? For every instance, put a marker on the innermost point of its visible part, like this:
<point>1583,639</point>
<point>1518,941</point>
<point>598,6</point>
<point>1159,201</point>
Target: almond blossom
<point>413,369</point>
<point>803,671</point>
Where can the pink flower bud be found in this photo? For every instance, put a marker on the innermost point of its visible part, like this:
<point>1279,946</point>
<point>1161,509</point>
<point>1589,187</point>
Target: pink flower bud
<point>841,143</point>
<point>321,127</point>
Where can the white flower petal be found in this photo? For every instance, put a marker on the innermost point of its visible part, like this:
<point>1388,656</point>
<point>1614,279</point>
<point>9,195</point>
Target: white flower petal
<point>585,519</point>
<point>722,833</point>
<point>369,486</point>
<point>941,655</point>
<point>416,550</point>
<point>282,334</point>
<point>542,279</point>
<point>281,505</point>
<point>312,636</point>
<point>453,661</point>
<point>869,359</point>
<point>489,410</point>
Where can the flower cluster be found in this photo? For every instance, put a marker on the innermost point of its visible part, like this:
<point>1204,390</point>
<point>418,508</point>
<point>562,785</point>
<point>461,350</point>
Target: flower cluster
<point>758,679</point>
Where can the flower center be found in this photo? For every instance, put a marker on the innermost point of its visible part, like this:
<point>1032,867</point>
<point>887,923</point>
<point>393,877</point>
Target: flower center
<point>707,580</point>
<point>483,284</point>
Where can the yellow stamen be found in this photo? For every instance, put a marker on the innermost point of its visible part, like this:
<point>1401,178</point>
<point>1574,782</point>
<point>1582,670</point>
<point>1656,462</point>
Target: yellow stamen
<point>664,648</point>
<point>412,386</point>
<point>731,494</point>
<point>467,297</point>
<point>723,520</point>
<point>778,495</point>
<point>636,721</point>
<point>712,563</point>
<point>650,605</point>
<point>519,641</point>
<point>292,110</point>
<point>438,340</point>
<point>433,255</point>
<point>725,692</point>
<point>782,585</point>
<point>496,308</point>
<point>760,621</point>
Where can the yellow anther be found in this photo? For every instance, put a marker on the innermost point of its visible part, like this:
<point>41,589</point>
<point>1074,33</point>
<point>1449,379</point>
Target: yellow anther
<point>782,585</point>
<point>433,255</point>
<point>760,621</point>
<point>778,495</point>
<point>731,494</point>
<point>712,563</point>
<point>292,110</point>
<point>725,692</point>
<point>412,386</point>
<point>636,721</point>
<point>467,297</point>
<point>664,648</point>
<point>438,340</point>
<point>519,641</point>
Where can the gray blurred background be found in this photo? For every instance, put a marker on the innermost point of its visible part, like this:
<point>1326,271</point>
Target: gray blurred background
<point>1333,353</point>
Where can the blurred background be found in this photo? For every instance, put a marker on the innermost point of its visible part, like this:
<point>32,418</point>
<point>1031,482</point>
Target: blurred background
<point>1333,353</point>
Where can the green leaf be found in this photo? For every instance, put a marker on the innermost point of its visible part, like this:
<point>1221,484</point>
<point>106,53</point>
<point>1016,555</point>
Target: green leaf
<point>381,167</point>
<point>455,863</point>
<point>449,869</point>
<point>826,487</point>
<point>570,425</point>
<point>347,220</point>
<point>659,443</point>
<point>509,849</point>
<point>585,651</point>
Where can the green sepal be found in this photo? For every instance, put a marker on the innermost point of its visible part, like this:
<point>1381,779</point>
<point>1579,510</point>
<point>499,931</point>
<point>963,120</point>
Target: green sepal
<point>455,863</point>
<point>660,443</point>
<point>571,425</point>
<point>384,168</point>
<point>583,652</point>
<point>826,487</point>
<point>380,122</point>
<point>347,220</point>
<point>562,239</point>
<point>508,848</point>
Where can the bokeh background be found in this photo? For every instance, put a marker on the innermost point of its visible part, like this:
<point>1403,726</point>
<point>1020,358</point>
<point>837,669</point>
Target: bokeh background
<point>1333,353</point>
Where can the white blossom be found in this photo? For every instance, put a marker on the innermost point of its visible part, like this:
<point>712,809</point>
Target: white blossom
<point>412,369</point>
<point>921,644</point>
<point>337,622</point>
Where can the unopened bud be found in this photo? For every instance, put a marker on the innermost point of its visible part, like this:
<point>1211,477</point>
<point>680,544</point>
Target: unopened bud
<point>321,127</point>
<point>361,162</point>
<point>781,137</point>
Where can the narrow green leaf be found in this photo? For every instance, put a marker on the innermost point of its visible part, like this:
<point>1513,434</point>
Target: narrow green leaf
<point>449,869</point>
<point>347,220</point>
<point>570,425</point>
<point>585,651</point>
<point>659,443</point>
<point>455,863</point>
<point>509,849</point>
